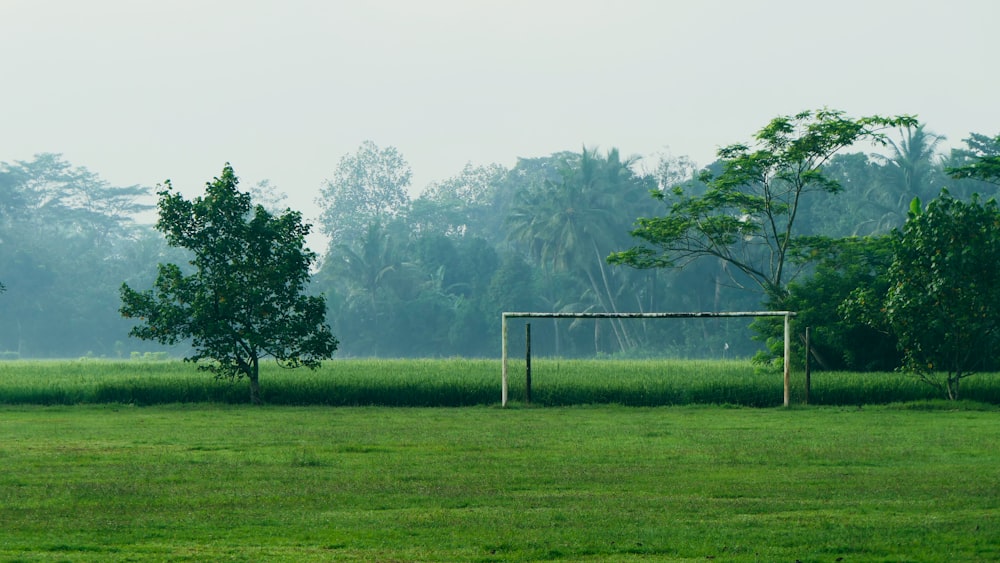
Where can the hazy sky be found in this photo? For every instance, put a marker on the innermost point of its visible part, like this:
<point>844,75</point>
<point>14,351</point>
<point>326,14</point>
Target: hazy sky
<point>141,91</point>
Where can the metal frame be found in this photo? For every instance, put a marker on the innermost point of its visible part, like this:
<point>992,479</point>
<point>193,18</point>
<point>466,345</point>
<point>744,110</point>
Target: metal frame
<point>512,315</point>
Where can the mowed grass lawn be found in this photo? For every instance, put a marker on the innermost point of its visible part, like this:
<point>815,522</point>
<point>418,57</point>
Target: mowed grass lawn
<point>609,483</point>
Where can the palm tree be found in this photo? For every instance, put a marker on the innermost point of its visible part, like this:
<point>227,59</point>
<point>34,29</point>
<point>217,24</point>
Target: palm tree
<point>912,169</point>
<point>880,187</point>
<point>571,224</point>
<point>363,269</point>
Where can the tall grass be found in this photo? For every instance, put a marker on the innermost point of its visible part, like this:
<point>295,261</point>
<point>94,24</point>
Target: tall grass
<point>462,382</point>
<point>848,388</point>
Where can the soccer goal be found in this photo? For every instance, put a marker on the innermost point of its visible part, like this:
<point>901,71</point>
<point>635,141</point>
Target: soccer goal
<point>524,315</point>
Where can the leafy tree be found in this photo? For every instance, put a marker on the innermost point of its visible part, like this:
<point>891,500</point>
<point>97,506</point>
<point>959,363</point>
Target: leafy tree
<point>65,236</point>
<point>244,301</point>
<point>943,301</point>
<point>267,194</point>
<point>863,206</point>
<point>368,187</point>
<point>875,189</point>
<point>980,162</point>
<point>459,270</point>
<point>747,216</point>
<point>570,224</point>
<point>911,166</point>
<point>51,192</point>
<point>674,170</point>
<point>462,205</point>
<point>364,275</point>
<point>838,341</point>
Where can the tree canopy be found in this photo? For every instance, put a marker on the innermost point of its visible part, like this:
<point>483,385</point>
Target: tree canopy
<point>747,215</point>
<point>244,300</point>
<point>67,239</point>
<point>981,161</point>
<point>570,221</point>
<point>943,298</point>
<point>367,187</point>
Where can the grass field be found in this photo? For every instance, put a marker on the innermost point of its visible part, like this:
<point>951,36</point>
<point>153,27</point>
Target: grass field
<point>917,482</point>
<point>461,382</point>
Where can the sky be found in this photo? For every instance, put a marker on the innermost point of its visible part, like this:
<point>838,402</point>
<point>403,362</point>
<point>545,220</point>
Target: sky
<point>142,91</point>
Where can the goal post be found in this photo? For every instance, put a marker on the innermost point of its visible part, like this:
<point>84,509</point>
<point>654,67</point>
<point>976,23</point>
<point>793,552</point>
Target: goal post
<point>525,315</point>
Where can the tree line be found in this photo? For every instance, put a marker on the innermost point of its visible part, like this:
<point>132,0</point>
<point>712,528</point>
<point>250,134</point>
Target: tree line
<point>795,218</point>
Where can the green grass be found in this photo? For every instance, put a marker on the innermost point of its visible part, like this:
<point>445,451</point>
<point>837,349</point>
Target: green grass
<point>460,382</point>
<point>915,482</point>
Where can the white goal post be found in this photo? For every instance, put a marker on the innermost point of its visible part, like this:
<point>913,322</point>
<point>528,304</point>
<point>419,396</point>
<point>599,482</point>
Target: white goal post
<point>512,315</point>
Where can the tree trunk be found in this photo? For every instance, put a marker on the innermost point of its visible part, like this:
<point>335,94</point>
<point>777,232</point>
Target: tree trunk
<point>608,308</point>
<point>253,375</point>
<point>555,330</point>
<point>952,385</point>
<point>815,354</point>
<point>628,344</point>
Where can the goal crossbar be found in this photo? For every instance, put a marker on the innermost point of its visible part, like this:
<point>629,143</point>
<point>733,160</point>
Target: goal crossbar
<point>539,315</point>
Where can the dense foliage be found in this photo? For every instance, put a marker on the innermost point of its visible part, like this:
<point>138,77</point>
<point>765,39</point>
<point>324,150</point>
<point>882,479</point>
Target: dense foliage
<point>428,275</point>
<point>67,240</point>
<point>838,339</point>
<point>980,162</point>
<point>943,295</point>
<point>245,299</point>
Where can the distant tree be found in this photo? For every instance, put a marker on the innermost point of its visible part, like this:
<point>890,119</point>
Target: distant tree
<point>244,301</point>
<point>981,161</point>
<point>267,194</point>
<point>863,206</point>
<point>876,189</point>
<point>461,205</point>
<point>65,239</point>
<point>51,192</point>
<point>572,223</point>
<point>912,167</point>
<point>363,274</point>
<point>368,187</point>
<point>674,170</point>
<point>943,299</point>
<point>747,216</point>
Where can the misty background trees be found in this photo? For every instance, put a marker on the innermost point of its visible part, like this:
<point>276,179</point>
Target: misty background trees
<point>428,272</point>
<point>66,236</point>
